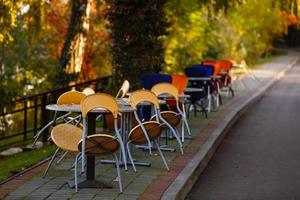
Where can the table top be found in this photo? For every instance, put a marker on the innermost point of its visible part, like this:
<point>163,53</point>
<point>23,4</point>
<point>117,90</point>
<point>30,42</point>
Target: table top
<point>199,78</point>
<point>76,108</point>
<point>124,106</point>
<point>193,90</point>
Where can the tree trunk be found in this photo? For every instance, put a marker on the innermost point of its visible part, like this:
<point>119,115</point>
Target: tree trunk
<point>72,53</point>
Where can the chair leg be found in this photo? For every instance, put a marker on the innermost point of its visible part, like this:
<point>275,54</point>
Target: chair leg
<point>62,157</point>
<point>118,172</point>
<point>130,156</point>
<point>161,155</point>
<point>37,136</point>
<point>188,110</point>
<point>232,91</point>
<point>182,132</point>
<point>75,173</point>
<point>124,155</point>
<point>186,125</point>
<point>50,163</point>
<point>173,132</point>
<point>209,98</point>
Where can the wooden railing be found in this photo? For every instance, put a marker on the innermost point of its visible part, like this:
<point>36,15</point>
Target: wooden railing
<point>31,111</point>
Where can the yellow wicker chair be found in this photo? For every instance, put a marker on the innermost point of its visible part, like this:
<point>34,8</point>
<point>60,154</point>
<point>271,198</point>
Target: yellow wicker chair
<point>108,102</point>
<point>146,132</point>
<point>70,97</point>
<point>69,138</point>
<point>173,118</point>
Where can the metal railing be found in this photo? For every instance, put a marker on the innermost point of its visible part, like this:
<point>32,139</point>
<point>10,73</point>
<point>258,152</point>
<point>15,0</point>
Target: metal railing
<point>31,109</point>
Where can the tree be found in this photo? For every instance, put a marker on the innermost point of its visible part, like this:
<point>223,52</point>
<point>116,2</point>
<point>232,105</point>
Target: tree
<point>137,29</point>
<point>73,51</point>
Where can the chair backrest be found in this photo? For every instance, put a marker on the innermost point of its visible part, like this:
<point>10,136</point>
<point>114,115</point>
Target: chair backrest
<point>199,71</point>
<point>150,79</point>
<point>165,88</point>
<point>99,144</point>
<point>215,64</point>
<point>123,90</point>
<point>225,65</point>
<point>99,100</point>
<point>70,97</point>
<point>140,96</point>
<point>88,91</point>
<point>180,82</point>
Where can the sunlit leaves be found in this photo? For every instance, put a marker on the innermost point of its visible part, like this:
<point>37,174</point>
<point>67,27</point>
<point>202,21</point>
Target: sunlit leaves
<point>8,15</point>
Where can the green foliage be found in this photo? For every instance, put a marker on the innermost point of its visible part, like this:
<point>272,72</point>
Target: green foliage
<point>219,30</point>
<point>8,15</point>
<point>188,40</point>
<point>255,25</point>
<point>137,28</point>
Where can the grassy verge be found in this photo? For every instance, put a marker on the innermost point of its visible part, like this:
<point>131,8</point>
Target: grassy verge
<point>13,164</point>
<point>16,141</point>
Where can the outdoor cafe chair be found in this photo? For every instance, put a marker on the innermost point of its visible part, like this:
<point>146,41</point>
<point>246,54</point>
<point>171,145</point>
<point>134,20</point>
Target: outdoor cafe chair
<point>145,132</point>
<point>203,76</point>
<point>239,70</point>
<point>123,90</point>
<point>69,138</point>
<point>173,118</point>
<point>225,67</point>
<point>70,97</point>
<point>216,79</point>
<point>148,81</point>
<point>108,118</point>
<point>105,101</point>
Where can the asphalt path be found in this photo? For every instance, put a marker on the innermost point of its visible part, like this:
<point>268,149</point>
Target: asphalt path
<point>260,156</point>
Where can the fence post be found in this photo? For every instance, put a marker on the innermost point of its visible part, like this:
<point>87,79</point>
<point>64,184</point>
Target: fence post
<point>25,120</point>
<point>44,116</point>
<point>35,116</point>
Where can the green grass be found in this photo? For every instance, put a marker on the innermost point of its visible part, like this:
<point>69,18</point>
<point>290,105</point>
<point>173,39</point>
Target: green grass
<point>17,141</point>
<point>13,164</point>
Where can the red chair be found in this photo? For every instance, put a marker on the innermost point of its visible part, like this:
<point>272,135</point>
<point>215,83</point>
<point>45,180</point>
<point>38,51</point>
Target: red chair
<point>225,67</point>
<point>216,83</point>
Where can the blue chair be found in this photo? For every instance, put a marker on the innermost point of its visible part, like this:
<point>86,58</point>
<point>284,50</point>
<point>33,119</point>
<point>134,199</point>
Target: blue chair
<point>151,79</point>
<point>197,98</point>
<point>148,81</point>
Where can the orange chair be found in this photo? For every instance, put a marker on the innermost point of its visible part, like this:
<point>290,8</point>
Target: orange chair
<point>225,66</point>
<point>180,82</point>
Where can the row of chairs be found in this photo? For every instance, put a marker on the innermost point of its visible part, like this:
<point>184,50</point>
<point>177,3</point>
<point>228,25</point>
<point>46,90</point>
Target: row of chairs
<point>211,76</point>
<point>72,138</point>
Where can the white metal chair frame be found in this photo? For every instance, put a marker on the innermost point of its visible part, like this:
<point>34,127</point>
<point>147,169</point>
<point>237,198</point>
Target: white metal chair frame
<point>97,145</point>
<point>182,114</point>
